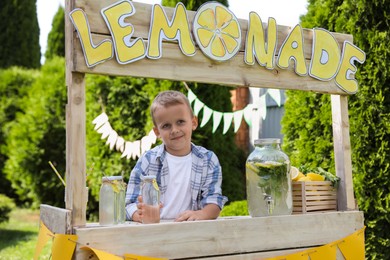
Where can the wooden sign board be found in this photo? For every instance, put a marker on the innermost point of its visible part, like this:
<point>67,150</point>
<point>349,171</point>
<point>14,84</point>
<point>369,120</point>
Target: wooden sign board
<point>174,65</point>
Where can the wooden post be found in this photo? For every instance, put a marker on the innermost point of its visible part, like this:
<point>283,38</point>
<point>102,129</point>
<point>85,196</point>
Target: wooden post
<point>342,152</point>
<point>75,191</point>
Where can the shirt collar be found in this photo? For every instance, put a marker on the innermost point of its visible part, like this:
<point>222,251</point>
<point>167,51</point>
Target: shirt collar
<point>161,152</point>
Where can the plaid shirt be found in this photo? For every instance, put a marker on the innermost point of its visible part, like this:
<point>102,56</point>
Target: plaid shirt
<point>206,177</point>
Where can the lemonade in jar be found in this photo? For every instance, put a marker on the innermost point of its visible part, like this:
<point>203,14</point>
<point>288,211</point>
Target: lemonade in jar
<point>268,181</point>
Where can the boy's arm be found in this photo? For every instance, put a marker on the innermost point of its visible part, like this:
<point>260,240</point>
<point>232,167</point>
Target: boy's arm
<point>210,211</point>
<point>132,193</point>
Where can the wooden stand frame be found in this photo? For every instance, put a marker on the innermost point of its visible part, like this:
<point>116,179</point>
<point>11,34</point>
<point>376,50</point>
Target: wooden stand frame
<point>225,238</point>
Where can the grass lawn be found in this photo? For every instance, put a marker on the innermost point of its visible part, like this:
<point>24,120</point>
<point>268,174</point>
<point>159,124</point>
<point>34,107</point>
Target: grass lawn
<point>18,237</point>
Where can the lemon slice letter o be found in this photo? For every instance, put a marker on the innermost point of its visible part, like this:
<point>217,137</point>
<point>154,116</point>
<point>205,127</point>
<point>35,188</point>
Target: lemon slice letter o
<point>217,31</point>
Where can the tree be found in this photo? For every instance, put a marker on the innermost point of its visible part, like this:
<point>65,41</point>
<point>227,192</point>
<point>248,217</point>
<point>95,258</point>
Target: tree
<point>56,38</point>
<point>14,86</point>
<point>37,136</point>
<point>19,35</point>
<point>369,111</point>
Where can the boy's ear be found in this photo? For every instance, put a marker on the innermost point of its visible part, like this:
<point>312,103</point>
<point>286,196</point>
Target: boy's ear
<point>194,123</point>
<point>156,132</point>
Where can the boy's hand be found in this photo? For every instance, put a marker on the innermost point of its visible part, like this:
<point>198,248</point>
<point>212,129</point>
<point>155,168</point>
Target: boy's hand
<point>137,216</point>
<point>210,211</point>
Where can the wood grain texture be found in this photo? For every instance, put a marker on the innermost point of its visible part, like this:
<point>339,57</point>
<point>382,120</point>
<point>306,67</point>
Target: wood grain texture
<point>225,236</point>
<point>57,220</point>
<point>75,192</point>
<point>174,65</point>
<point>342,152</point>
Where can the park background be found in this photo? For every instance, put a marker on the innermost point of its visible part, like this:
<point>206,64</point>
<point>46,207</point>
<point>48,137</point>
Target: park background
<point>32,120</point>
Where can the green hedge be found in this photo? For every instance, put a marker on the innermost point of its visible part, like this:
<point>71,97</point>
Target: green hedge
<point>307,121</point>
<point>6,206</point>
<point>236,208</point>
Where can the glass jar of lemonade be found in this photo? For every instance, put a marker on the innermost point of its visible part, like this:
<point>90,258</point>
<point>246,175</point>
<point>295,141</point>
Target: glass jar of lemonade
<point>151,200</point>
<point>112,201</point>
<point>268,182</point>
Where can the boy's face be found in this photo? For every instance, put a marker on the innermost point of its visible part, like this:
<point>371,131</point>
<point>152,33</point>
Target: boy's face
<point>174,125</point>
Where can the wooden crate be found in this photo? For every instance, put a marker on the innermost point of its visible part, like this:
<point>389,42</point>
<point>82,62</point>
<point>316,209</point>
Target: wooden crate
<point>313,196</point>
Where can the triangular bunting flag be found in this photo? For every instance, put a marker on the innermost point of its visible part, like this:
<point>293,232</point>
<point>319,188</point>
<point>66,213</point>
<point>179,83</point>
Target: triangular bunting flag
<point>217,116</point>
<point>153,137</point>
<point>191,96</point>
<point>120,144</point>
<point>207,112</point>
<point>227,121</point>
<point>325,252</point>
<point>137,150</point>
<point>146,143</point>
<point>43,236</point>
<point>63,246</point>
<point>198,106</point>
<point>105,130</point>
<point>263,107</point>
<point>248,112</point>
<point>275,95</point>
<point>127,152</point>
<point>237,115</point>
<point>100,120</point>
<point>101,254</point>
<point>112,139</point>
<point>352,247</point>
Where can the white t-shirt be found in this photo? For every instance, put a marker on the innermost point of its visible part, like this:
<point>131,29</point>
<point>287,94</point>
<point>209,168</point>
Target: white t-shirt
<point>177,197</point>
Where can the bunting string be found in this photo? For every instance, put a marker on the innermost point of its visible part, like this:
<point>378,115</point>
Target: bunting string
<point>134,149</point>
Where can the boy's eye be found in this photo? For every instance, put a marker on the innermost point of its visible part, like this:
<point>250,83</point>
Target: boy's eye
<point>165,126</point>
<point>180,122</point>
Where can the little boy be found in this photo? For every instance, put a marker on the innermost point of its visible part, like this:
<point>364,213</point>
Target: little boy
<point>189,176</point>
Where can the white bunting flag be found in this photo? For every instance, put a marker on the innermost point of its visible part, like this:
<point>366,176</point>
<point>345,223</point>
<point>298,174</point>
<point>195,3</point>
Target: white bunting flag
<point>263,107</point>
<point>275,95</point>
<point>100,120</point>
<point>217,116</point>
<point>191,96</point>
<point>105,130</point>
<point>136,151</point>
<point>112,137</point>
<point>227,121</point>
<point>120,144</point>
<point>198,106</point>
<point>248,112</point>
<point>207,112</point>
<point>237,117</point>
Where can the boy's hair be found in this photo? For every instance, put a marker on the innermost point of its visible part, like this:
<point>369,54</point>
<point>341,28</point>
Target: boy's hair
<point>169,98</point>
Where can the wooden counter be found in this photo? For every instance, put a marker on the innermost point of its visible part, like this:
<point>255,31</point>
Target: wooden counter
<point>225,238</point>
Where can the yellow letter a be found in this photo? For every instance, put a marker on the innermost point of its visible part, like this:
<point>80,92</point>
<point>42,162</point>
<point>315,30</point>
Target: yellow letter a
<point>292,48</point>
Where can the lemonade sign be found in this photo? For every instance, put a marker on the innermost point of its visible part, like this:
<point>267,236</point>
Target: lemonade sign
<point>217,33</point>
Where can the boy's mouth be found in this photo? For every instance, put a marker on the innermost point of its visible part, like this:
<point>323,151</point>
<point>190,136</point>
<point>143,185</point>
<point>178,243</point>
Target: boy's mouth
<point>176,137</point>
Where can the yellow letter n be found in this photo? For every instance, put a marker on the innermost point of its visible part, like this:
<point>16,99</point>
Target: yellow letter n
<point>256,46</point>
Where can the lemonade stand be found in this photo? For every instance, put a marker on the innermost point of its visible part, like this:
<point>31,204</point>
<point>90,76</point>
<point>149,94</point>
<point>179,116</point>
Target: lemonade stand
<point>125,38</point>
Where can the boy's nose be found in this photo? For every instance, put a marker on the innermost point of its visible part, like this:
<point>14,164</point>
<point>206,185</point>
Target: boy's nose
<point>174,129</point>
